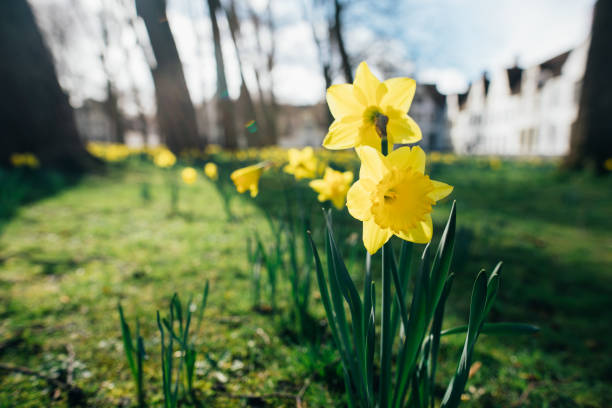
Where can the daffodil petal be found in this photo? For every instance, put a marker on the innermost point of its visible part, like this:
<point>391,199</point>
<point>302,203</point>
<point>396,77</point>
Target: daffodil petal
<point>318,185</point>
<point>343,133</point>
<point>358,199</point>
<point>367,83</point>
<point>372,163</point>
<point>408,158</point>
<point>421,234</point>
<point>348,176</point>
<point>400,92</point>
<point>369,137</point>
<point>440,191</point>
<point>342,101</point>
<point>338,202</point>
<point>403,129</point>
<point>374,237</point>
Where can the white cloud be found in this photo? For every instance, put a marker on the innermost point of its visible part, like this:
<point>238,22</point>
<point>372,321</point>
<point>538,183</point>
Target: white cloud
<point>448,80</point>
<point>298,84</point>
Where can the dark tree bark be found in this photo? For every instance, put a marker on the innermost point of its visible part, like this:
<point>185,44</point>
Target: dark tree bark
<point>591,139</point>
<point>225,104</point>
<point>337,31</point>
<point>175,112</point>
<point>252,134</point>
<point>35,115</point>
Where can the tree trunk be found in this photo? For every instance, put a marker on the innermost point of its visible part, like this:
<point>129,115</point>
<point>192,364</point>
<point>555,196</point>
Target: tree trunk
<point>226,107</point>
<point>35,114</point>
<point>176,115</point>
<point>114,113</point>
<point>337,28</point>
<point>251,125</point>
<point>591,138</point>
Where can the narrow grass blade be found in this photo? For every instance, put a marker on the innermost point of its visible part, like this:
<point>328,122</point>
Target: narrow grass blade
<point>128,345</point>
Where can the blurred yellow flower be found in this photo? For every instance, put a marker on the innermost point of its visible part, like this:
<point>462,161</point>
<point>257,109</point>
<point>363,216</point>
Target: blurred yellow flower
<point>24,160</point>
<point>495,163</point>
<point>333,186</point>
<point>359,109</point>
<point>608,164</point>
<point>213,149</point>
<point>189,175</point>
<point>302,163</point>
<point>164,158</point>
<point>393,196</point>
<point>211,171</point>
<point>247,178</point>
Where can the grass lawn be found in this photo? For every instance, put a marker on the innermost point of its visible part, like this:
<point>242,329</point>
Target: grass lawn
<point>66,260</point>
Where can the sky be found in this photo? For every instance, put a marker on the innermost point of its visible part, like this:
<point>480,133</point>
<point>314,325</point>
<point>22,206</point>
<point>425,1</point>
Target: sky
<point>447,42</point>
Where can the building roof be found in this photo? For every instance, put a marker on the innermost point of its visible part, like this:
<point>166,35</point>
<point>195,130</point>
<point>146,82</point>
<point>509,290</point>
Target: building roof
<point>486,82</point>
<point>515,75</point>
<point>436,96</point>
<point>555,64</point>
<point>462,97</point>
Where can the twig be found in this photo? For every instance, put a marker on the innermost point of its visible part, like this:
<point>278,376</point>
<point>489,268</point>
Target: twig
<point>524,395</point>
<point>70,364</point>
<point>300,395</point>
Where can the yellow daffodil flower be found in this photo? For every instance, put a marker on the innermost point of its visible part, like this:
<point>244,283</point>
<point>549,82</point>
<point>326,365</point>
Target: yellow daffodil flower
<point>211,171</point>
<point>189,175</point>
<point>359,109</point>
<point>333,186</point>
<point>164,158</point>
<point>393,196</point>
<point>24,160</point>
<point>302,163</point>
<point>247,178</point>
<point>495,163</point>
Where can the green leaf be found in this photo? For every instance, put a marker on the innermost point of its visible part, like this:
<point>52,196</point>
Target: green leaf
<point>452,397</point>
<point>332,318</point>
<point>404,275</point>
<point>496,328</point>
<point>442,260</point>
<point>415,332</point>
<point>436,329</point>
<point>128,345</point>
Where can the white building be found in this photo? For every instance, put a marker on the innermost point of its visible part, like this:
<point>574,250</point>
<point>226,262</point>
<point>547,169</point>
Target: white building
<point>520,111</point>
<point>428,109</point>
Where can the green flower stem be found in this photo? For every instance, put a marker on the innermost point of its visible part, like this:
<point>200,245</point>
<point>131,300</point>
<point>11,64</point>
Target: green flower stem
<point>386,340</point>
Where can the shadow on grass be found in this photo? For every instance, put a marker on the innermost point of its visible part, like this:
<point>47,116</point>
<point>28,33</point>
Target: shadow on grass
<point>22,186</point>
<point>513,218</point>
